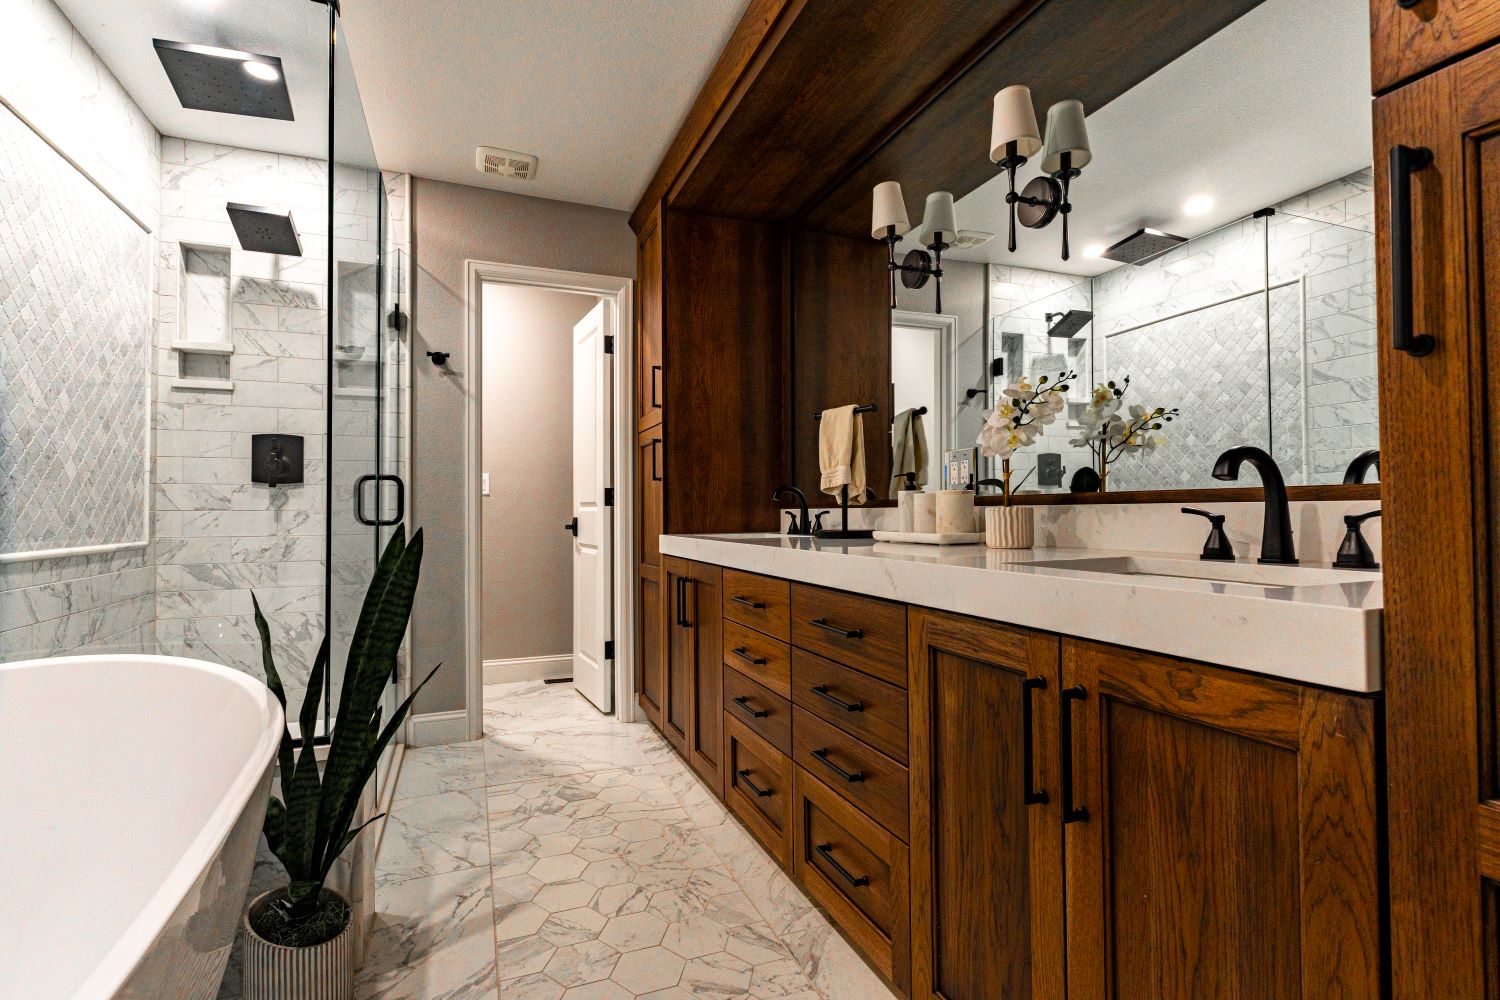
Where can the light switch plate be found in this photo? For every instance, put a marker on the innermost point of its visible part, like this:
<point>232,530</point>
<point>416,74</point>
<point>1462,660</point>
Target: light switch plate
<point>484,483</point>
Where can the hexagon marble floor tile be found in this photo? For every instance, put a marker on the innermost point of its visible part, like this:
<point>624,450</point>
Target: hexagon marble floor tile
<point>567,856</point>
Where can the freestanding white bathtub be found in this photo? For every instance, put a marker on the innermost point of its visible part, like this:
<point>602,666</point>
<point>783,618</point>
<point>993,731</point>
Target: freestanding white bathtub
<point>132,790</point>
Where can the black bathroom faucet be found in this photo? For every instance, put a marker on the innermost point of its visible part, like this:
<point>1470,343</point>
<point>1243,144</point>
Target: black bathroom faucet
<point>803,524</point>
<point>1276,539</point>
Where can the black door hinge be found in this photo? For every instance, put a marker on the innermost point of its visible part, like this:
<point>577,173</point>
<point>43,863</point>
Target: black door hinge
<point>609,496</point>
<point>609,649</point>
<point>609,345</point>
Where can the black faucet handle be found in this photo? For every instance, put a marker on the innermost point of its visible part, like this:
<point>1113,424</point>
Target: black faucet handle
<point>791,522</point>
<point>818,521</point>
<point>1355,552</point>
<point>1355,520</point>
<point>1217,546</point>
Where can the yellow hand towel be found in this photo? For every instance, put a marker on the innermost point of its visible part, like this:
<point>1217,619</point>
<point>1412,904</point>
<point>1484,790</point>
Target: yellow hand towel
<point>841,453</point>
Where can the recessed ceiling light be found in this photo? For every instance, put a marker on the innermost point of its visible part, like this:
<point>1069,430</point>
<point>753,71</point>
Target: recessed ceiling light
<point>262,71</point>
<point>1093,250</point>
<point>1198,204</point>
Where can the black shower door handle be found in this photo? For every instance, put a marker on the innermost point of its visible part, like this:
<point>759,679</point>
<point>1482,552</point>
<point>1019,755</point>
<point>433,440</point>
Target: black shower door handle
<point>1405,161</point>
<point>359,500</point>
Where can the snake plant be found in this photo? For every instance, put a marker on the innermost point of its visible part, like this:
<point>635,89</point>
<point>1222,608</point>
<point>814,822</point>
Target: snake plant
<point>309,831</point>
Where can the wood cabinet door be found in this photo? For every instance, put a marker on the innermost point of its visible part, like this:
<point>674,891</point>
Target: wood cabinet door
<point>986,835</point>
<point>1407,39</point>
<point>650,660</point>
<point>705,742</point>
<point>648,493</point>
<point>677,685</point>
<point>1439,479</point>
<point>648,342</point>
<point>1220,831</point>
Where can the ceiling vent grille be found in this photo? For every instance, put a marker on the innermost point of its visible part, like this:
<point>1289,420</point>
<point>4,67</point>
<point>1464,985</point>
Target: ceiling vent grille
<point>968,239</point>
<point>505,163</point>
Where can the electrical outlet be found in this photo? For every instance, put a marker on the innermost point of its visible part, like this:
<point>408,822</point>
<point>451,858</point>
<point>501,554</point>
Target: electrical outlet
<point>484,483</point>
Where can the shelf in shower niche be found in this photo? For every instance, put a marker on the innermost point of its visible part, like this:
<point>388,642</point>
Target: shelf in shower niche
<point>204,384</point>
<point>202,347</point>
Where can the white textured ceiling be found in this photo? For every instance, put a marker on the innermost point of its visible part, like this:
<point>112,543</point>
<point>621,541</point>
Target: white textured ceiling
<point>1274,105</point>
<point>595,88</point>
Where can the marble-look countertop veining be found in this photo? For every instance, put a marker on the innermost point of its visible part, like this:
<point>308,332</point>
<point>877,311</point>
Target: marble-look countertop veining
<point>1326,632</point>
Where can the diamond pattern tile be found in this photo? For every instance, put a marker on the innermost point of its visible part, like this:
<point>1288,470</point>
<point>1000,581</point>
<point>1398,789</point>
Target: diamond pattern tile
<point>75,351</point>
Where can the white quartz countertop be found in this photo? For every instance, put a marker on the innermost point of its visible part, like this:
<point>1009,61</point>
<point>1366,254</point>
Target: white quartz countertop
<point>1325,631</point>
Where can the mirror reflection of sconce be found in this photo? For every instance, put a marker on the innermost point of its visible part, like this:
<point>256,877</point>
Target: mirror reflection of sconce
<point>888,223</point>
<point>1014,138</point>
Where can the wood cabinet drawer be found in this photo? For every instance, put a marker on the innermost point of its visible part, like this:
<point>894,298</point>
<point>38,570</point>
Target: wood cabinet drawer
<point>857,871</point>
<point>758,787</point>
<point>866,777</point>
<point>760,657</point>
<point>762,602</point>
<point>855,702</point>
<point>866,633</point>
<point>761,710</point>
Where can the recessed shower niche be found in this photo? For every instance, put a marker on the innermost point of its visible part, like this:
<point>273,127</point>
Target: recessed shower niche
<point>204,342</point>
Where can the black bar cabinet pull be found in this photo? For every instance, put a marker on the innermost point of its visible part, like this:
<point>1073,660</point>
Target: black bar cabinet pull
<point>822,623</point>
<point>1071,813</point>
<point>687,584</point>
<point>755,713</point>
<point>821,690</point>
<point>745,655</point>
<point>682,602</point>
<point>1405,161</point>
<point>655,398</point>
<point>826,850</point>
<point>655,465</point>
<point>1031,795</point>
<point>826,761</point>
<point>745,780</point>
<point>756,605</point>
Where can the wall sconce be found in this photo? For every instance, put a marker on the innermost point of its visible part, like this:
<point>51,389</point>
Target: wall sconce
<point>888,223</point>
<point>1014,139</point>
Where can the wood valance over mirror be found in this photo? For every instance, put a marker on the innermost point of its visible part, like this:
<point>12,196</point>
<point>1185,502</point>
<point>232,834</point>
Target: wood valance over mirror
<point>1240,130</point>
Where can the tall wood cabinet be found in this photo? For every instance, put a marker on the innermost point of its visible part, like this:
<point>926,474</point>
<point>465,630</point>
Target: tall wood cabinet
<point>692,685</point>
<point>1437,161</point>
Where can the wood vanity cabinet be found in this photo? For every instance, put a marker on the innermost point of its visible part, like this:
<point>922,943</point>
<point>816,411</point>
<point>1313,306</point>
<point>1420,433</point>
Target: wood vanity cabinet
<point>1407,39</point>
<point>650,660</point>
<point>648,308</point>
<point>693,714</point>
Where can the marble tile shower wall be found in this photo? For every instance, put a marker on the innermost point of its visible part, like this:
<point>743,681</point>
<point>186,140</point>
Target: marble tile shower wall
<point>218,537</point>
<point>51,78</point>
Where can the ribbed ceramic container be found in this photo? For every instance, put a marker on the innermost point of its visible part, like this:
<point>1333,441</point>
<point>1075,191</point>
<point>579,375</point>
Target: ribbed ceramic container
<point>1009,527</point>
<point>275,972</point>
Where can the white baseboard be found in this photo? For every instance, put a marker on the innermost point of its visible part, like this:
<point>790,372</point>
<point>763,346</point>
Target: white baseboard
<point>436,728</point>
<point>528,668</point>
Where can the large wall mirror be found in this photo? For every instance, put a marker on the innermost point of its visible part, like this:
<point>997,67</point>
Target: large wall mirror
<point>1253,315</point>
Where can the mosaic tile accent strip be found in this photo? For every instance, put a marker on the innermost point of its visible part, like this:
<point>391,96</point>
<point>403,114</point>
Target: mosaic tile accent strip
<point>75,350</point>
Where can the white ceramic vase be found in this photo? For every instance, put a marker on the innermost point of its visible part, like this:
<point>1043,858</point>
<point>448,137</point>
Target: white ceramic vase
<point>275,972</point>
<point>1009,527</point>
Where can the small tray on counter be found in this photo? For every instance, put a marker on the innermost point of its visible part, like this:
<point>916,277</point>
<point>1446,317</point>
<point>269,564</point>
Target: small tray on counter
<point>932,538</point>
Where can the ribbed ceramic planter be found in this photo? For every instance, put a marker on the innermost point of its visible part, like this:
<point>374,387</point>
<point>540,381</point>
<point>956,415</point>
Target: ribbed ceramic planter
<point>275,972</point>
<point>1009,527</point>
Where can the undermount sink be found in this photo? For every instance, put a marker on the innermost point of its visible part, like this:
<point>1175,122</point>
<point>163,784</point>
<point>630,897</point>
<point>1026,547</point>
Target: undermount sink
<point>1253,574</point>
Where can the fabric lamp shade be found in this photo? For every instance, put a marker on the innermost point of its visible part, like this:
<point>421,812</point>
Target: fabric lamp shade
<point>1014,121</point>
<point>939,222</point>
<point>889,210</point>
<point>1066,133</point>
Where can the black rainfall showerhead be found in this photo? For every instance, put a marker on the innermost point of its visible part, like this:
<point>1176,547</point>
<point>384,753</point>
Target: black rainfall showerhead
<point>1141,246</point>
<point>1068,323</point>
<point>265,230</point>
<point>209,78</point>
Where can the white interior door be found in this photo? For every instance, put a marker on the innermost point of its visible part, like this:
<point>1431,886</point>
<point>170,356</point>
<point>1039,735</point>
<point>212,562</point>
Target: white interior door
<point>593,542</point>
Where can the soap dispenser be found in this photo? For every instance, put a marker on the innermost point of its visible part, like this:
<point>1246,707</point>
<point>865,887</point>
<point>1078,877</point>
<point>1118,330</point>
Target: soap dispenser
<point>1355,552</point>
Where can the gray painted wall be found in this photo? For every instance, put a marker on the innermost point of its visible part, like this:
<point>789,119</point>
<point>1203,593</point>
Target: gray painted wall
<point>527,448</point>
<point>451,224</point>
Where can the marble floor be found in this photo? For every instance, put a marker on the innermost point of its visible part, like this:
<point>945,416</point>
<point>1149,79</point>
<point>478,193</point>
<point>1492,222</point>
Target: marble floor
<point>569,857</point>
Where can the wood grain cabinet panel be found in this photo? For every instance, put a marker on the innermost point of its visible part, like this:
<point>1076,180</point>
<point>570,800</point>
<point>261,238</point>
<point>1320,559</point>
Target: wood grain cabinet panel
<point>863,632</point>
<point>855,702</point>
<point>986,834</point>
<point>759,709</point>
<point>692,691</point>
<point>678,650</point>
<point>648,343</point>
<point>758,788</point>
<point>865,777</point>
<point>858,872</point>
<point>1406,41</point>
<point>1220,833</point>
<point>767,660</point>
<point>759,602</point>
<point>649,478</point>
<point>650,658</point>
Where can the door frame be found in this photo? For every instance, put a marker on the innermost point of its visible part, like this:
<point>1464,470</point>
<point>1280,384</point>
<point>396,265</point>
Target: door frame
<point>945,325</point>
<point>619,293</point>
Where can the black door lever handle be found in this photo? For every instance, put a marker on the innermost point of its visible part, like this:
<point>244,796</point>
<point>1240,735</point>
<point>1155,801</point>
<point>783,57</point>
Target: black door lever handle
<point>572,526</point>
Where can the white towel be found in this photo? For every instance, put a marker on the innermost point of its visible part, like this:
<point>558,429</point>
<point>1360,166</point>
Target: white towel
<point>841,453</point>
<point>908,451</point>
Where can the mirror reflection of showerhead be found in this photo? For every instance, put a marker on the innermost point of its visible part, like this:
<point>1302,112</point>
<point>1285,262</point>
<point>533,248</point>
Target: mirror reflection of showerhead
<point>1067,324</point>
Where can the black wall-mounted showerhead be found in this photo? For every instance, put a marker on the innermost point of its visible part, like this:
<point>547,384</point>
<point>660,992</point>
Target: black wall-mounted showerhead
<point>265,230</point>
<point>1067,324</point>
<point>1142,245</point>
<point>209,78</point>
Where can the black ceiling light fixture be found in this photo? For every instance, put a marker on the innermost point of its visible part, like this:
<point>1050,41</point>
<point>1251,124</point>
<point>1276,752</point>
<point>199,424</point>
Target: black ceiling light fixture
<point>231,82</point>
<point>265,230</point>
